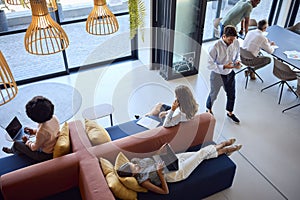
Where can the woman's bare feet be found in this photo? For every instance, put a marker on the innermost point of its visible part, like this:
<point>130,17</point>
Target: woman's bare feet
<point>230,150</point>
<point>225,143</point>
<point>7,150</point>
<point>229,142</point>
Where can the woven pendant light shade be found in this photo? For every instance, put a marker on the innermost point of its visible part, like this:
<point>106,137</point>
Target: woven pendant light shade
<point>44,36</point>
<point>52,6</point>
<point>101,21</point>
<point>8,86</point>
<point>17,2</point>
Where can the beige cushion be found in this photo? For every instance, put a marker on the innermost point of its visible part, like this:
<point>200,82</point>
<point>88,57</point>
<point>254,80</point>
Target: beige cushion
<point>62,146</point>
<point>129,182</point>
<point>118,189</point>
<point>96,133</point>
<point>106,166</point>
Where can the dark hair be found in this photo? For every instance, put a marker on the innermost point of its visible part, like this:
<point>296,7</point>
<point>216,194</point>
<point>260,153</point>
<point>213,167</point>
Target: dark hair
<point>125,170</point>
<point>230,30</point>
<point>261,24</point>
<point>39,109</point>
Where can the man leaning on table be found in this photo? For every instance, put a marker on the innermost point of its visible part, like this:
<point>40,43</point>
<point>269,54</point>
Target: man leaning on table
<point>256,40</point>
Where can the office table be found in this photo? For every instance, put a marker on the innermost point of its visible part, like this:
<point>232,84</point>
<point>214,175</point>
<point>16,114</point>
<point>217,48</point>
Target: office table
<point>286,41</point>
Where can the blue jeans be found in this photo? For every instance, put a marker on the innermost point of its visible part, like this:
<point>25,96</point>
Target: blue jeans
<point>216,82</point>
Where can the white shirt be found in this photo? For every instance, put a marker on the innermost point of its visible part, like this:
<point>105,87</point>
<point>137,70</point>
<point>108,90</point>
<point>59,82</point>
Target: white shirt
<point>171,120</point>
<point>221,54</point>
<point>255,41</point>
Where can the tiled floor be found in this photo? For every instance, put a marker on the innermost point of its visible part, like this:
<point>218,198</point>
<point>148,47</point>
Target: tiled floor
<point>267,165</point>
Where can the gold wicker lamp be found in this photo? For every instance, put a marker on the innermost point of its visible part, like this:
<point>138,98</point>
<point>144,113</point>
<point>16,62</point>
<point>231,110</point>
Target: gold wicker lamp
<point>101,21</point>
<point>52,6</point>
<point>8,86</point>
<point>17,2</point>
<point>44,36</point>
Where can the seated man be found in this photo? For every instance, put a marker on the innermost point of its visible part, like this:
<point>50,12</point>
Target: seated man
<point>254,41</point>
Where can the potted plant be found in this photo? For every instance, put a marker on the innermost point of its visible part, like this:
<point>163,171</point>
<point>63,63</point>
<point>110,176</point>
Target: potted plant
<point>137,12</point>
<point>3,19</point>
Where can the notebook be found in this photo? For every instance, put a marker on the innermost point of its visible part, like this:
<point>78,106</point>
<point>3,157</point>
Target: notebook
<point>147,122</point>
<point>15,129</point>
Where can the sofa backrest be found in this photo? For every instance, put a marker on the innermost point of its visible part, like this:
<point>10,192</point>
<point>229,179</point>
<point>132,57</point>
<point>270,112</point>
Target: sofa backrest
<point>182,136</point>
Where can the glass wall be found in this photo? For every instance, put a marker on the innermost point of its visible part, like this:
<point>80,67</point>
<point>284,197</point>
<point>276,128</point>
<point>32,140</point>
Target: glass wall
<point>24,65</point>
<point>87,49</point>
<point>297,17</point>
<point>260,12</point>
<point>84,48</point>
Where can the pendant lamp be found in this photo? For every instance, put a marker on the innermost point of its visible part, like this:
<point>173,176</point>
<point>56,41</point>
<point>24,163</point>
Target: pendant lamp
<point>101,21</point>
<point>17,2</point>
<point>8,86</point>
<point>52,5</point>
<point>44,36</point>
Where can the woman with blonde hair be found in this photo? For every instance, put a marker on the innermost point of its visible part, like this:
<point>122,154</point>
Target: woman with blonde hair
<point>186,104</point>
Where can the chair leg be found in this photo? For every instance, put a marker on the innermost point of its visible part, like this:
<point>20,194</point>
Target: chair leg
<point>282,84</point>
<point>270,86</point>
<point>241,70</point>
<point>290,107</point>
<point>246,82</point>
<point>258,76</point>
<point>291,88</point>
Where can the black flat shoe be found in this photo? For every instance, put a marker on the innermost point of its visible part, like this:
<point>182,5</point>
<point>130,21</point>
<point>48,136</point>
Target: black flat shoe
<point>7,150</point>
<point>233,118</point>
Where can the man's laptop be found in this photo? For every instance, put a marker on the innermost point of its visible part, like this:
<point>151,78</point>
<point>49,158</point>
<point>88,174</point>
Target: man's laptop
<point>15,129</point>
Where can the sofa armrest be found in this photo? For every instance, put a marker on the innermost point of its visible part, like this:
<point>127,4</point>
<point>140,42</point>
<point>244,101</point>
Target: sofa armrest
<point>78,137</point>
<point>92,182</point>
<point>41,180</point>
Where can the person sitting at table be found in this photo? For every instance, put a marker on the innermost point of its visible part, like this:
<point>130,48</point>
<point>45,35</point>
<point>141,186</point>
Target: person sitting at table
<point>149,174</point>
<point>256,40</point>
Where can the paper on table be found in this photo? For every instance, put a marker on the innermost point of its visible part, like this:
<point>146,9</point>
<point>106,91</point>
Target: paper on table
<point>148,123</point>
<point>293,54</point>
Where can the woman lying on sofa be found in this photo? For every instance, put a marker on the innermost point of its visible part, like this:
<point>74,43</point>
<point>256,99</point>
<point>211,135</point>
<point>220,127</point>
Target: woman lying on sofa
<point>40,110</point>
<point>184,101</point>
<point>150,174</point>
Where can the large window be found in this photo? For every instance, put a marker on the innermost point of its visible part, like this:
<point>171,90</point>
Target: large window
<point>84,49</point>
<point>214,11</point>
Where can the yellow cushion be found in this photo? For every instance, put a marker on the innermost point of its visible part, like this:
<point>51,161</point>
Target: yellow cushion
<point>129,182</point>
<point>96,133</point>
<point>62,146</point>
<point>106,166</point>
<point>118,189</point>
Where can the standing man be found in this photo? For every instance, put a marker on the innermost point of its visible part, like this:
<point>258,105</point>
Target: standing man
<point>223,58</point>
<point>254,41</point>
<point>240,12</point>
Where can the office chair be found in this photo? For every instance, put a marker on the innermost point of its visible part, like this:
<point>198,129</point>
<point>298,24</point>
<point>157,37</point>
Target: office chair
<point>284,73</point>
<point>295,28</point>
<point>298,93</point>
<point>252,63</point>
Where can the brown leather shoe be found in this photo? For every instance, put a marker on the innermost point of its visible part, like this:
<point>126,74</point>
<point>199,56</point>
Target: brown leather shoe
<point>252,76</point>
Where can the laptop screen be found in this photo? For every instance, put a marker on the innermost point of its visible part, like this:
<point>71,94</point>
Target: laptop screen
<point>14,127</point>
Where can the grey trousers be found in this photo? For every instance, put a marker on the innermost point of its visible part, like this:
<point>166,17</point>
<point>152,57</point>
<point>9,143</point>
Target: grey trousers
<point>19,147</point>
